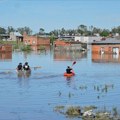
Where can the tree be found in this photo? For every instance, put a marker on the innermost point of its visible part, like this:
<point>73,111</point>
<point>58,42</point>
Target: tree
<point>41,31</point>
<point>24,29</point>
<point>10,29</point>
<point>105,33</point>
<point>52,39</point>
<point>2,30</point>
<point>82,29</point>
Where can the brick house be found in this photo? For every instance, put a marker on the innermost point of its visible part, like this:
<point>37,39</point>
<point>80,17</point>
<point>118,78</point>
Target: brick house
<point>35,40</point>
<point>108,46</point>
<point>106,50</point>
<point>5,48</point>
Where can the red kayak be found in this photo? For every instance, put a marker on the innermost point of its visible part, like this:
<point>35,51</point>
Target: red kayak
<point>69,74</point>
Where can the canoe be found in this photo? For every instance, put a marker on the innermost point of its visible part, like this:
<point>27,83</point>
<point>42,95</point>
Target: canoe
<point>27,71</point>
<point>69,75</point>
<point>23,73</point>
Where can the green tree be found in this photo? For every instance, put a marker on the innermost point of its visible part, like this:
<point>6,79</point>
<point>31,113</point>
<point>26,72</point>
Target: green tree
<point>82,29</point>
<point>2,30</point>
<point>10,29</point>
<point>52,39</point>
<point>105,33</point>
<point>24,29</point>
<point>41,31</point>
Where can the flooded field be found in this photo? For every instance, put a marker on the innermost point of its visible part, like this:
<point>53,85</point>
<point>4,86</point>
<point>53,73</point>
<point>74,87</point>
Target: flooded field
<point>34,97</point>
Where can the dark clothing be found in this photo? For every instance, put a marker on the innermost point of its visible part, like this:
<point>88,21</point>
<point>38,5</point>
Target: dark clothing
<point>68,70</point>
<point>26,67</point>
<point>19,67</point>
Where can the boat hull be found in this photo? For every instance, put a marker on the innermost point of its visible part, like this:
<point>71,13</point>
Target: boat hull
<point>69,75</point>
<point>23,73</point>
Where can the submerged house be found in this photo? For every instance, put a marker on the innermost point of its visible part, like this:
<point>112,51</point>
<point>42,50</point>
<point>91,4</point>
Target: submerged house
<point>34,40</point>
<point>69,45</point>
<point>106,50</point>
<point>5,48</point>
<point>108,46</point>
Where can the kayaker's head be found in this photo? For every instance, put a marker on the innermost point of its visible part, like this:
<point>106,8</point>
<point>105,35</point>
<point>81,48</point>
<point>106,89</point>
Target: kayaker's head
<point>26,63</point>
<point>68,67</point>
<point>20,63</point>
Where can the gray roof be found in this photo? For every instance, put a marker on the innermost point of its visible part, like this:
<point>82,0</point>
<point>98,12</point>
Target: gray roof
<point>107,41</point>
<point>17,34</point>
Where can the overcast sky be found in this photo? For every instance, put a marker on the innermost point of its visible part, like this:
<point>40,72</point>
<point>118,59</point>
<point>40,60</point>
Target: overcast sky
<point>56,14</point>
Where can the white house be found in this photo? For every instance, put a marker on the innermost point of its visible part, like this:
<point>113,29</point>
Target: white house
<point>87,39</point>
<point>16,36</point>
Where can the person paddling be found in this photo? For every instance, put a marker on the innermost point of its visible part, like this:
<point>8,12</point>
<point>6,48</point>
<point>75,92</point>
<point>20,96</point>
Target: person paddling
<point>19,67</point>
<point>26,67</point>
<point>69,70</point>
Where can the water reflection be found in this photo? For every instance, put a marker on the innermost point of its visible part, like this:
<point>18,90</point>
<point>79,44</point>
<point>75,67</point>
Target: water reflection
<point>65,55</point>
<point>105,58</point>
<point>6,56</point>
<point>23,79</point>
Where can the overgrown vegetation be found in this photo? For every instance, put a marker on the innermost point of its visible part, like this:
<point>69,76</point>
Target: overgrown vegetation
<point>88,112</point>
<point>26,48</point>
<point>41,47</point>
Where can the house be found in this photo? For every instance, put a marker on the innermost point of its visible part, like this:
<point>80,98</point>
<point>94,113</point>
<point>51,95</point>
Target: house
<point>108,46</point>
<point>5,56</point>
<point>61,45</point>
<point>5,48</point>
<point>35,40</point>
<point>16,36</point>
<point>87,39</point>
<point>4,37</point>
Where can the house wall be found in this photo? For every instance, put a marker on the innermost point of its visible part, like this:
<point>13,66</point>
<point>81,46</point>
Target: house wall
<point>87,39</point>
<point>34,40</point>
<point>30,40</point>
<point>12,36</point>
<point>5,48</point>
<point>43,41</point>
<point>61,43</point>
<point>108,49</point>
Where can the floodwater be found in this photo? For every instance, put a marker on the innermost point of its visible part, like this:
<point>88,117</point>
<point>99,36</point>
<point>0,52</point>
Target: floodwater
<point>34,97</point>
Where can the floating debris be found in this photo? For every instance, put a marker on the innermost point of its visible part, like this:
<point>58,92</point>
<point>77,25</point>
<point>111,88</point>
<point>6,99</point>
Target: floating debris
<point>88,112</point>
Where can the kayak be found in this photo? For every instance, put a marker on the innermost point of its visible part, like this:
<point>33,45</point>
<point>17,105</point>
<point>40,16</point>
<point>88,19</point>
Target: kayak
<point>69,74</point>
<point>23,72</point>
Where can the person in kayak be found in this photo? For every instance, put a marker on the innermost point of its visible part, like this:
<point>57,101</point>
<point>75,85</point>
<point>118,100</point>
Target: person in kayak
<point>19,67</point>
<point>69,70</point>
<point>26,66</point>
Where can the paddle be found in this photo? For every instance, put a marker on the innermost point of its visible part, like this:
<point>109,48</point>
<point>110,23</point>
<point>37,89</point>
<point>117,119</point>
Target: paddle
<point>73,63</point>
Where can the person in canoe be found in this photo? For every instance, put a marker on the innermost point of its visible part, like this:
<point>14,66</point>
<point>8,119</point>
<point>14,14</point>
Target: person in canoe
<point>20,67</point>
<point>69,70</point>
<point>26,67</point>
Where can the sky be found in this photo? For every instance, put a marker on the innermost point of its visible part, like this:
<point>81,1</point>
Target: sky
<point>58,14</point>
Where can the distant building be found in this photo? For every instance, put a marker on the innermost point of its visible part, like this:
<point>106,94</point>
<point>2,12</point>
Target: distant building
<point>5,48</point>
<point>4,37</point>
<point>108,46</point>
<point>87,39</point>
<point>67,38</point>
<point>35,40</point>
<point>16,36</point>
